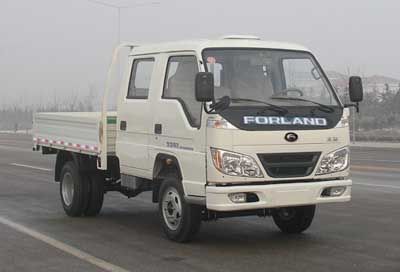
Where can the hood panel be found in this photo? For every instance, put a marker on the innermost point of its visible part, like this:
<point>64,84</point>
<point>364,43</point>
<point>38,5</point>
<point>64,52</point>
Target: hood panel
<point>258,118</point>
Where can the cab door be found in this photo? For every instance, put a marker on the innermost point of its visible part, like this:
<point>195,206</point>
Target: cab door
<point>177,120</point>
<point>135,118</point>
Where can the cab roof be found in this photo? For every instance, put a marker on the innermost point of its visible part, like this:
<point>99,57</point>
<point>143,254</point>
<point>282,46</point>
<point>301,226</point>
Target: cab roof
<point>224,42</point>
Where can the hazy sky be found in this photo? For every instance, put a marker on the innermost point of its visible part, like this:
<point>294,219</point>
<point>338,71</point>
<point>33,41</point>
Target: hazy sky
<point>64,46</point>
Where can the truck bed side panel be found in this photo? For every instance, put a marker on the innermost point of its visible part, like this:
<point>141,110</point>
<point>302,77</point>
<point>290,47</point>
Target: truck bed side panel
<point>75,131</point>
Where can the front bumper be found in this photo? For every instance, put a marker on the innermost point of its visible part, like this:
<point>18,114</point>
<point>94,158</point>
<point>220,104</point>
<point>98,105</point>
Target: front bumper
<point>275,195</point>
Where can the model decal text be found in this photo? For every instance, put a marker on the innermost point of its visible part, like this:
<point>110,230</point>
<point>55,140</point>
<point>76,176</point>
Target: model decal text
<point>281,120</point>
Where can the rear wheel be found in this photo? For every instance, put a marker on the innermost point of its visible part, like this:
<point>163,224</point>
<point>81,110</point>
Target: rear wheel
<point>73,190</point>
<point>294,219</point>
<point>95,195</point>
<point>180,220</point>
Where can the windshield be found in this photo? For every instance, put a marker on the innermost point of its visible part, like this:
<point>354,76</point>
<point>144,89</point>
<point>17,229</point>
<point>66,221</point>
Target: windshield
<point>266,74</point>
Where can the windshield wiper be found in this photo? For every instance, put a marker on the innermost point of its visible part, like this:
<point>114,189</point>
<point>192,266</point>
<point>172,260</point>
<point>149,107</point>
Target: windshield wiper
<point>322,107</point>
<point>273,107</point>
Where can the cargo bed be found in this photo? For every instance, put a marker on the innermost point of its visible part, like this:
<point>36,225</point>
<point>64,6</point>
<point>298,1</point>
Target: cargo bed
<point>73,131</point>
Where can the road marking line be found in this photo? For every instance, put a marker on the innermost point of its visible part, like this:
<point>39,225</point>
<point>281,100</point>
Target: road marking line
<point>377,185</point>
<point>356,159</point>
<point>373,168</point>
<point>30,166</point>
<point>63,247</point>
<point>16,149</point>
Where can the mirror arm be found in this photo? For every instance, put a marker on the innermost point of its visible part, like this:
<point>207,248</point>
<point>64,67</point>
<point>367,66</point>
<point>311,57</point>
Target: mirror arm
<point>211,111</point>
<point>354,105</point>
<point>217,107</point>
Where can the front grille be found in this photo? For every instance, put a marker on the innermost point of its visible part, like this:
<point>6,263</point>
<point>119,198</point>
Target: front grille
<point>289,165</point>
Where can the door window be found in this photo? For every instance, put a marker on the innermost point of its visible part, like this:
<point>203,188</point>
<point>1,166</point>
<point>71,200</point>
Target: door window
<point>139,82</point>
<point>179,84</point>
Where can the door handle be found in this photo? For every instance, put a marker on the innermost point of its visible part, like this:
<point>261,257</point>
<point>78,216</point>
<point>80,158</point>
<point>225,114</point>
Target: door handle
<point>157,129</point>
<point>122,125</point>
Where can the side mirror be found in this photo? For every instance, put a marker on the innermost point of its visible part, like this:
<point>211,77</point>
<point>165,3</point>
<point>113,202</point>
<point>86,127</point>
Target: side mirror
<point>355,89</point>
<point>204,87</point>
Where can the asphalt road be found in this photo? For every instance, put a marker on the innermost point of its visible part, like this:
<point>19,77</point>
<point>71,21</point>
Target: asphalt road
<point>36,235</point>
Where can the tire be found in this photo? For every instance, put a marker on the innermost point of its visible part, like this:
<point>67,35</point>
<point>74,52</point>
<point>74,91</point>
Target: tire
<point>294,219</point>
<point>73,190</point>
<point>95,195</point>
<point>184,219</point>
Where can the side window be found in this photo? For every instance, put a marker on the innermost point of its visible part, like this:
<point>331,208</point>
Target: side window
<point>139,82</point>
<point>179,84</point>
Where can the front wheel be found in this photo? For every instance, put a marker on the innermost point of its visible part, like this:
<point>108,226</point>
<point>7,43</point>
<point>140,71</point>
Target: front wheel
<point>180,220</point>
<point>294,219</point>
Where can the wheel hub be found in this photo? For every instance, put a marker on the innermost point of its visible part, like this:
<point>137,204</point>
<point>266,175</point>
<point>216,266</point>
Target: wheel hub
<point>172,208</point>
<point>67,189</point>
<point>286,213</point>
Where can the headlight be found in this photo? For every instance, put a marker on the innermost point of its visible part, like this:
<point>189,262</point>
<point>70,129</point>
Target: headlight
<point>334,162</point>
<point>235,164</point>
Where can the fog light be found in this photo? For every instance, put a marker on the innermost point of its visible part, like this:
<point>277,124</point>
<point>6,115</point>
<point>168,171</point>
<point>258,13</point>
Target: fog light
<point>238,197</point>
<point>334,191</point>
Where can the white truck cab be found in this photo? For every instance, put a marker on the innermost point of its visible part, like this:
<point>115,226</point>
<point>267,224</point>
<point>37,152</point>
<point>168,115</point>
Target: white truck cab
<point>214,128</point>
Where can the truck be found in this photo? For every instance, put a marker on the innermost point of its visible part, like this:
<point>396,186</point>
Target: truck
<point>217,128</point>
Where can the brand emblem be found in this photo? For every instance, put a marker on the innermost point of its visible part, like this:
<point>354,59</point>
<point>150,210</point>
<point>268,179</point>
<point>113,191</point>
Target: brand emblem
<point>291,137</point>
